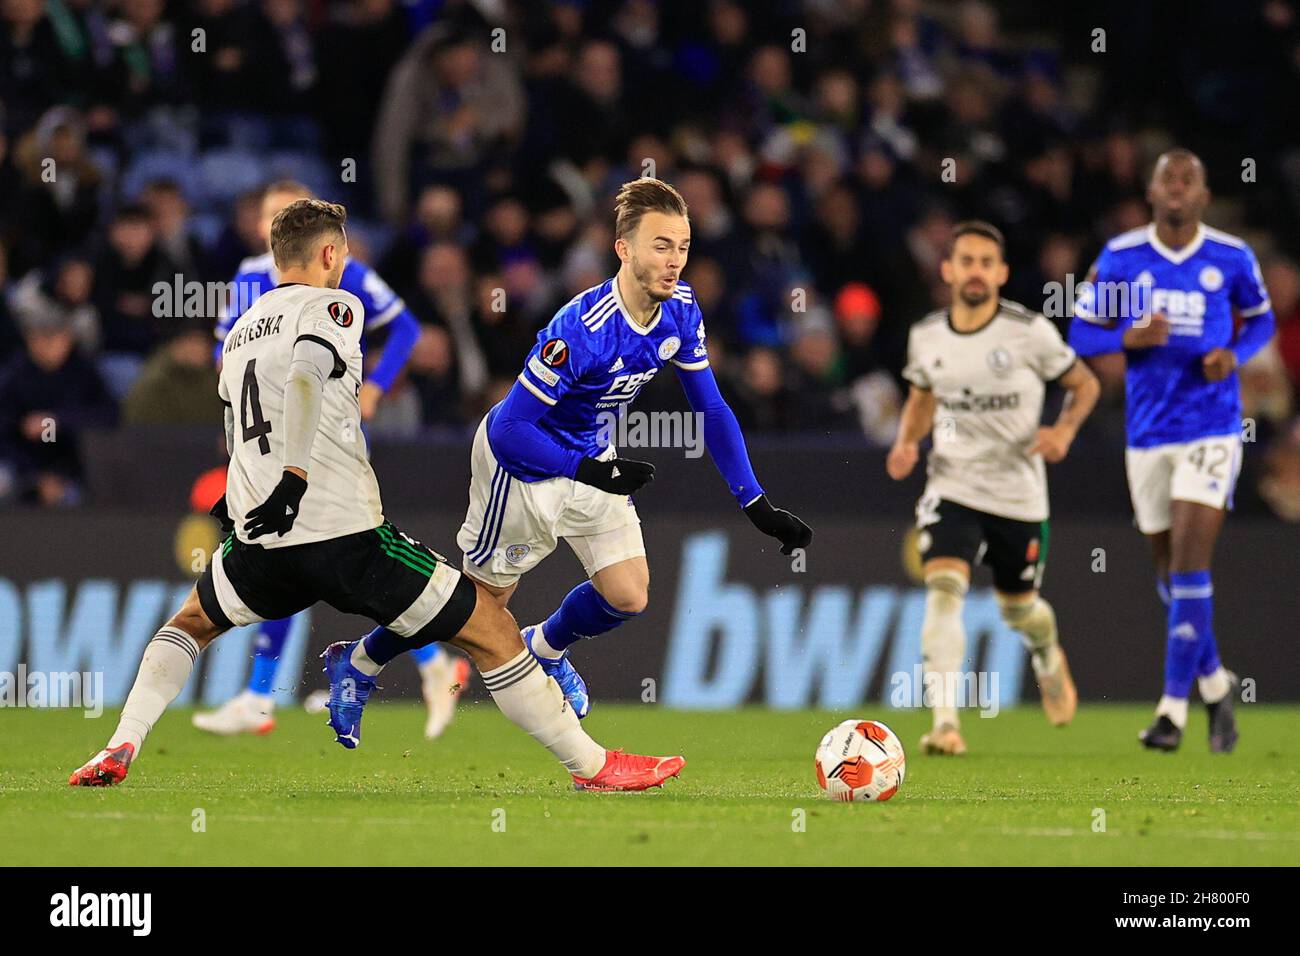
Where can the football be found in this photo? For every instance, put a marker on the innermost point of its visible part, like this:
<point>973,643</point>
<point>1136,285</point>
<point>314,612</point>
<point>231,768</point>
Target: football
<point>860,760</point>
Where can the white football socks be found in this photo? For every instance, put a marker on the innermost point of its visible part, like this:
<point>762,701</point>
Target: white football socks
<point>1035,622</point>
<point>1214,687</point>
<point>164,669</point>
<point>534,702</point>
<point>943,643</point>
<point>1175,708</point>
<point>362,662</point>
<point>541,648</point>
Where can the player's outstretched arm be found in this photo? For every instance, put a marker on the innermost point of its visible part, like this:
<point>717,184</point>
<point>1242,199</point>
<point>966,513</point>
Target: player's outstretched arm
<point>524,448</point>
<point>1082,389</point>
<point>726,445</point>
<point>913,425</point>
<point>402,333</point>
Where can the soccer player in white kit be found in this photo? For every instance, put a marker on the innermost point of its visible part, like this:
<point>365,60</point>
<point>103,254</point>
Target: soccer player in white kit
<point>308,526</point>
<point>386,316</point>
<point>978,371</point>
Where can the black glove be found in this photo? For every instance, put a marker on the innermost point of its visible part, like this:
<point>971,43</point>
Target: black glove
<point>779,524</point>
<point>222,514</point>
<point>618,476</point>
<point>278,512</point>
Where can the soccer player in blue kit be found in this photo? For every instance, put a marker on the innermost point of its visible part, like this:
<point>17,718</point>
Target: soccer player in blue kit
<point>442,674</point>
<point>1165,296</point>
<point>541,467</point>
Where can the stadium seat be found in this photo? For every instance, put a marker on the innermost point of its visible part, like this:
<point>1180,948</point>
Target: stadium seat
<point>226,173</point>
<point>371,235</point>
<point>207,227</point>
<point>160,164</point>
<point>308,168</point>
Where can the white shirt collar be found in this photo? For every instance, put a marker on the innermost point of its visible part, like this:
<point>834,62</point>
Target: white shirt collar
<point>1176,256</point>
<point>627,315</point>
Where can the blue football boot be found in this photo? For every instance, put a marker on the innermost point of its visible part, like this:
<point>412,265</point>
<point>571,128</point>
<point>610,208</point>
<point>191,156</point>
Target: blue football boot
<point>562,672</point>
<point>349,691</point>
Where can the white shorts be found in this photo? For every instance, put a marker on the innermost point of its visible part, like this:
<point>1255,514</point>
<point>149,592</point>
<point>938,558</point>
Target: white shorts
<point>1204,471</point>
<point>512,525</point>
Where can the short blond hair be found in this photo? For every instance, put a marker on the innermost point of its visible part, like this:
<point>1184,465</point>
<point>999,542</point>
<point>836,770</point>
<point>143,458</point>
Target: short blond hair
<point>641,196</point>
<point>298,226</point>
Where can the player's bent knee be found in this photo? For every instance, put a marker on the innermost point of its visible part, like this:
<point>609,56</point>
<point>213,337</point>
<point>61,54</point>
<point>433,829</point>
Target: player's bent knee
<point>193,621</point>
<point>1026,612</point>
<point>1015,613</point>
<point>490,635</point>
<point>628,600</point>
<point>625,586</point>
<point>453,617</point>
<point>945,590</point>
<point>501,594</point>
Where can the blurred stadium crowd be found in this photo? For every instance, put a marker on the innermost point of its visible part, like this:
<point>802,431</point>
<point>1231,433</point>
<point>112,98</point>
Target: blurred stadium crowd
<point>808,136</point>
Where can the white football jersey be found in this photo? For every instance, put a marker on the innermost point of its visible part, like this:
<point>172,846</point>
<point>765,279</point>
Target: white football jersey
<point>988,386</point>
<point>342,493</point>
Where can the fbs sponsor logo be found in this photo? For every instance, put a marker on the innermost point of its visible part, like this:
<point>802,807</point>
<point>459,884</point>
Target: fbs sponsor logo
<point>626,387</point>
<point>77,909</point>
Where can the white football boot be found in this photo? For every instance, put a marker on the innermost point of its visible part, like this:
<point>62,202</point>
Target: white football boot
<point>246,713</point>
<point>441,682</point>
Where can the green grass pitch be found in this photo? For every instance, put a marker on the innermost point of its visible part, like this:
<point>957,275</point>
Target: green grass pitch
<point>486,795</point>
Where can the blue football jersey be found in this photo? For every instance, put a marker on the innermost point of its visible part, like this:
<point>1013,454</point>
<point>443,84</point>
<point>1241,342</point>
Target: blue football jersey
<point>258,274</point>
<point>591,359</point>
<point>1198,288</point>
